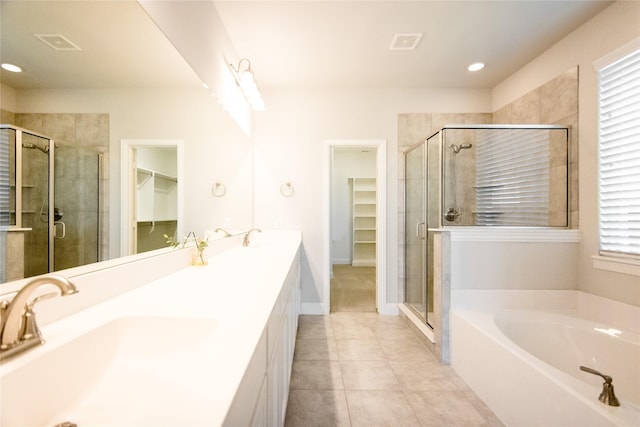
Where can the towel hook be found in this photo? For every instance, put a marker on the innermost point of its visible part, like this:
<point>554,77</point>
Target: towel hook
<point>219,189</point>
<point>286,189</point>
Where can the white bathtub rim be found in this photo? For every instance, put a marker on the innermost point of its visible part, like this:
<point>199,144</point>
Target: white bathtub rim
<point>625,415</point>
<point>615,313</point>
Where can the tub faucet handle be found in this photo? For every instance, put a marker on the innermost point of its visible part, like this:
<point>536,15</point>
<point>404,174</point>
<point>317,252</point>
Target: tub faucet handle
<point>607,396</point>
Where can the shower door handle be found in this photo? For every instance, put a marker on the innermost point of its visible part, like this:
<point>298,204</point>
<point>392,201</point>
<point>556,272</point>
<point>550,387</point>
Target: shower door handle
<point>64,230</point>
<point>418,234</point>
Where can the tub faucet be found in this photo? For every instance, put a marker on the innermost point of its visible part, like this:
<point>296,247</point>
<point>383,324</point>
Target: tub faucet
<point>607,396</point>
<point>18,328</point>
<point>245,241</point>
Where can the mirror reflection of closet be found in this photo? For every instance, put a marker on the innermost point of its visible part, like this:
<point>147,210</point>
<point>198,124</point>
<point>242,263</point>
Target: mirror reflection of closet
<point>156,196</point>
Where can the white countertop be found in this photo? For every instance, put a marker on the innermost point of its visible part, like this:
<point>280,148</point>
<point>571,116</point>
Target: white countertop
<point>237,290</point>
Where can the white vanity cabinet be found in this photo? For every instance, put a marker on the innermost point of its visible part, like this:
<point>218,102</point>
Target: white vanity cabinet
<point>261,399</point>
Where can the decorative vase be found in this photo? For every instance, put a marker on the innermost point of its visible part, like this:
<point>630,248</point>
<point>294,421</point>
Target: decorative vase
<point>199,258</point>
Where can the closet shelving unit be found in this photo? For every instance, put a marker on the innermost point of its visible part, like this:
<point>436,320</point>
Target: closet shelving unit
<point>157,196</point>
<point>364,222</point>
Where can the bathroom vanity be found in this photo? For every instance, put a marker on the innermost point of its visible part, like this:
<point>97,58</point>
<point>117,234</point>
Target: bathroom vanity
<point>202,346</point>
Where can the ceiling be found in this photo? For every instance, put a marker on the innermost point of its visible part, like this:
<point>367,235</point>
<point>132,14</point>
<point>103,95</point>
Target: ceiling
<point>291,44</point>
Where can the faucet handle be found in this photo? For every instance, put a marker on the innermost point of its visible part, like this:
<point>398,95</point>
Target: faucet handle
<point>4,304</point>
<point>607,396</point>
<point>30,328</point>
<point>48,295</point>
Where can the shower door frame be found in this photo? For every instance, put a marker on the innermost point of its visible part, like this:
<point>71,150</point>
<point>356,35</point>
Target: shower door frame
<point>408,230</point>
<point>18,148</point>
<point>429,227</point>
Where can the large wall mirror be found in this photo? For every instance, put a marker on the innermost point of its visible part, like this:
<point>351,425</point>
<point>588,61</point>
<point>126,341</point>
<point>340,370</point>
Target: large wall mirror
<point>96,74</point>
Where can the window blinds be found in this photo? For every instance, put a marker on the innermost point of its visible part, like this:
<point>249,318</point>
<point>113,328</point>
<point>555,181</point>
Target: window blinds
<point>512,180</point>
<point>619,156</point>
<point>5,189</point>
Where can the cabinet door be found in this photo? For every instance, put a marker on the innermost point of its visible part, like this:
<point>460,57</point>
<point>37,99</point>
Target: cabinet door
<point>260,416</point>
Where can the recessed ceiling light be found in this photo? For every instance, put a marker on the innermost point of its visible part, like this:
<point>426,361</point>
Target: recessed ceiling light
<point>476,66</point>
<point>12,68</point>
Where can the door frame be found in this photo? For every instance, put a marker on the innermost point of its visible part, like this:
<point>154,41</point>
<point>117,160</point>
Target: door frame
<point>128,191</point>
<point>381,219</point>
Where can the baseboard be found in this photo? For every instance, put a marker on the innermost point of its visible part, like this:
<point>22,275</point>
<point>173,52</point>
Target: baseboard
<point>389,309</point>
<point>315,308</point>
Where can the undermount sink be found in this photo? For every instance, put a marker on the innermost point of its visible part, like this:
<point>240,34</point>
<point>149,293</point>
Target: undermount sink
<point>133,371</point>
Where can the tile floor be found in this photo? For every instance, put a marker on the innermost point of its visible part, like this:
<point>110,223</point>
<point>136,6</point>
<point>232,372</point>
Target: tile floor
<point>364,369</point>
<point>353,288</point>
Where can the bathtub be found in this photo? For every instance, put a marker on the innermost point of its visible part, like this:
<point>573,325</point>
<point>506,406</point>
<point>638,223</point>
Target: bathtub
<point>523,361</point>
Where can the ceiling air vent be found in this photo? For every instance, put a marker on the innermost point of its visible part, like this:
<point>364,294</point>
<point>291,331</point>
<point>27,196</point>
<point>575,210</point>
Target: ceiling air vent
<point>57,41</point>
<point>405,41</point>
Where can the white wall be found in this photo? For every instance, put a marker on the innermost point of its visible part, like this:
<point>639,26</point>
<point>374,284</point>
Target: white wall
<point>159,159</point>
<point>215,149</point>
<point>346,165</point>
<point>612,28</point>
<point>288,140</point>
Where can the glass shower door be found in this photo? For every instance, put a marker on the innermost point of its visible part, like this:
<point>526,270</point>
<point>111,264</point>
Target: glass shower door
<point>415,291</point>
<point>77,206</point>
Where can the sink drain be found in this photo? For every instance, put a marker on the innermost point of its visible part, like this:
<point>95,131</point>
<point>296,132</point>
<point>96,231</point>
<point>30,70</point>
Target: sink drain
<point>66,424</point>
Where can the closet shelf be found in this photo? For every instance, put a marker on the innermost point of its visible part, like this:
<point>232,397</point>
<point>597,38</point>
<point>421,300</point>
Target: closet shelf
<point>364,222</point>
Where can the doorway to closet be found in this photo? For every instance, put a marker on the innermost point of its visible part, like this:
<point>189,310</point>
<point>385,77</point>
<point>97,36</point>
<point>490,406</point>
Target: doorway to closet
<point>355,226</point>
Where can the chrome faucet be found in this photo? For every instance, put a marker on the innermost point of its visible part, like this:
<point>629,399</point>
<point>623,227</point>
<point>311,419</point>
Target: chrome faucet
<point>245,241</point>
<point>225,232</point>
<point>607,396</point>
<point>18,329</point>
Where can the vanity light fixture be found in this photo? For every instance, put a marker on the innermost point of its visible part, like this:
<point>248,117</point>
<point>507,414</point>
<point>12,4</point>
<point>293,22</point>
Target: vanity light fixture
<point>476,66</point>
<point>245,79</point>
<point>11,67</point>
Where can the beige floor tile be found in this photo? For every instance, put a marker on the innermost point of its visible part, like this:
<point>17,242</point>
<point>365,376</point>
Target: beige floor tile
<point>423,375</point>
<point>380,409</point>
<point>357,349</point>
<point>316,375</point>
<point>353,319</point>
<point>368,375</point>
<point>317,408</point>
<point>404,349</point>
<point>318,330</point>
<point>316,350</point>
<point>392,331</point>
<point>481,407</point>
<point>348,332</point>
<point>404,384</point>
<point>314,319</point>
<point>445,408</point>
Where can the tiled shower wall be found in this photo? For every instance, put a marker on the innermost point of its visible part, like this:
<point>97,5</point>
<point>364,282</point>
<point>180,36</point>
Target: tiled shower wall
<point>80,138</point>
<point>555,102</point>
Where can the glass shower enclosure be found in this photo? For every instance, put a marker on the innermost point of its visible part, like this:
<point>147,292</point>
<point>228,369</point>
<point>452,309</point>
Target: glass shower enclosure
<point>479,176</point>
<point>49,204</point>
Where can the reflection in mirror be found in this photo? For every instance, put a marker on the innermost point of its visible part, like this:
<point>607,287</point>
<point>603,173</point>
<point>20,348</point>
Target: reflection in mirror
<point>153,192</point>
<point>128,84</point>
<point>50,185</point>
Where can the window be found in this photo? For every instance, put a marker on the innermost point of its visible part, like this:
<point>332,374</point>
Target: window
<point>619,155</point>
